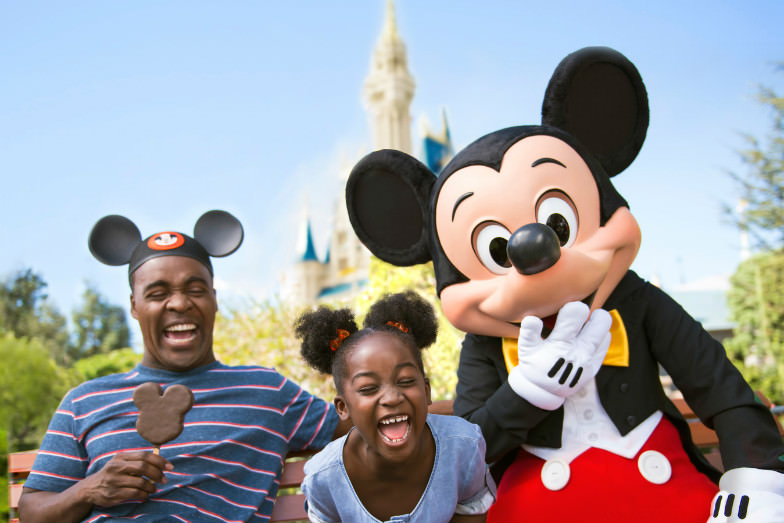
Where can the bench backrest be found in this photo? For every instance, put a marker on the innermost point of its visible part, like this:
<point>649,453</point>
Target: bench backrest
<point>290,506</point>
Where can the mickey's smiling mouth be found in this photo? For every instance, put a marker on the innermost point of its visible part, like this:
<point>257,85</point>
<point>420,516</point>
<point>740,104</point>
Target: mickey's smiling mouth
<point>548,322</point>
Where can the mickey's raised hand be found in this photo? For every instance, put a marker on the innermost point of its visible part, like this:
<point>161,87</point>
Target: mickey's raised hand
<point>552,369</point>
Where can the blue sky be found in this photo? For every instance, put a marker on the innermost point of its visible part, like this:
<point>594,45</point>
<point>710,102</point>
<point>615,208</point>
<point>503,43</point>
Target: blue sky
<point>160,111</point>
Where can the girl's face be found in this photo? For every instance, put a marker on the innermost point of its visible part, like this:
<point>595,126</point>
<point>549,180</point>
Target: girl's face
<point>386,396</point>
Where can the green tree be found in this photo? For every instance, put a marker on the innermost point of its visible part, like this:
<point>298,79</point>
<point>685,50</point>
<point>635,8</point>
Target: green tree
<point>25,311</point>
<point>31,386</point>
<point>756,296</point>
<point>761,185</point>
<point>756,301</point>
<point>99,327</point>
<point>263,334</point>
<point>103,364</point>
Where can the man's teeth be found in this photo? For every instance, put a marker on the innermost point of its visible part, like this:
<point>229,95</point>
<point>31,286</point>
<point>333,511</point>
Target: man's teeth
<point>181,327</point>
<point>394,419</point>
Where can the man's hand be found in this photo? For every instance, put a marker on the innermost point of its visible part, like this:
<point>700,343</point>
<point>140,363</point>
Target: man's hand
<point>749,495</point>
<point>552,369</point>
<point>128,475</point>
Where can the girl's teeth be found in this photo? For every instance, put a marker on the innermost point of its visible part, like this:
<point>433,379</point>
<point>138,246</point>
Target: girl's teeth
<point>395,419</point>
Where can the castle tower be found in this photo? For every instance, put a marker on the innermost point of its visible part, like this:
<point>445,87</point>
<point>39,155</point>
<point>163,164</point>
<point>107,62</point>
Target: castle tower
<point>349,260</point>
<point>389,89</point>
<point>303,279</point>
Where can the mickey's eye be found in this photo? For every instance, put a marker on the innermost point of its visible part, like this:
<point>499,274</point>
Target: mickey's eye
<point>490,240</point>
<point>556,210</point>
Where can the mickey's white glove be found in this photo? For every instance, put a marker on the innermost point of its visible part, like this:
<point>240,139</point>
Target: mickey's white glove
<point>749,495</point>
<point>552,369</point>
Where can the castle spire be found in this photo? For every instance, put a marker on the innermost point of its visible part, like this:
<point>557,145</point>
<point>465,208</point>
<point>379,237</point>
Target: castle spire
<point>306,247</point>
<point>390,23</point>
<point>389,88</point>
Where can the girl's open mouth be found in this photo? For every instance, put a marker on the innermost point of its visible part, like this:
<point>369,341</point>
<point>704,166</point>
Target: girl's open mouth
<point>394,429</point>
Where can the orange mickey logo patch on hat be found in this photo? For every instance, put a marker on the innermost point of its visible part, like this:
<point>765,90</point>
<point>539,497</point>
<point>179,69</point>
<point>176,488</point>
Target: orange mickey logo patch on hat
<point>164,241</point>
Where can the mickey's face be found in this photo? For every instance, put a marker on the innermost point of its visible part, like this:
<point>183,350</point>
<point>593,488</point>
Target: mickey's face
<point>483,221</point>
<point>523,219</point>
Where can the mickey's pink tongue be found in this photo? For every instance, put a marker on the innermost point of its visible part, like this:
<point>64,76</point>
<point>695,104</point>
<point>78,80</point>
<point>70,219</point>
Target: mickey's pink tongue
<point>394,431</point>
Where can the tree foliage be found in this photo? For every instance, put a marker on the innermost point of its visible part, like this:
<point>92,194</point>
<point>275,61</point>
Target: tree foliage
<point>263,333</point>
<point>756,301</point>
<point>99,327</point>
<point>756,296</point>
<point>761,185</point>
<point>103,364</point>
<point>25,311</point>
<point>31,386</point>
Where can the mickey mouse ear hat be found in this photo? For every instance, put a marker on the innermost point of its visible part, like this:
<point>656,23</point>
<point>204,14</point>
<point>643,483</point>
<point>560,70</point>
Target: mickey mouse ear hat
<point>115,240</point>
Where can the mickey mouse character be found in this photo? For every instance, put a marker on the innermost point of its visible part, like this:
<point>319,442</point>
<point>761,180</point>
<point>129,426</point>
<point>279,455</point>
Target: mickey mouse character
<point>528,237</point>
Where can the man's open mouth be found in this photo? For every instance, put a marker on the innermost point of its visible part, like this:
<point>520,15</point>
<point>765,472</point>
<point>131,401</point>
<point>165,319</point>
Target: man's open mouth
<point>181,332</point>
<point>394,430</point>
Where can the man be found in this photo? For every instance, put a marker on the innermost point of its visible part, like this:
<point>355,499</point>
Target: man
<point>94,466</point>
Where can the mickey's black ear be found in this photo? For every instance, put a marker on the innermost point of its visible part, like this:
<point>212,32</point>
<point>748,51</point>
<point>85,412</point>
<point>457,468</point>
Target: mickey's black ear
<point>596,94</point>
<point>387,198</point>
<point>113,239</point>
<point>219,232</point>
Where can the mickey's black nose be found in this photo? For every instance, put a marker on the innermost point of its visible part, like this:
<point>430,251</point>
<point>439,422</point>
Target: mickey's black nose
<point>533,248</point>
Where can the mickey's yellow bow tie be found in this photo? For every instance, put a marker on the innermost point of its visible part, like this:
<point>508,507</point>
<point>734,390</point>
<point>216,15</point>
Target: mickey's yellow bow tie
<point>617,354</point>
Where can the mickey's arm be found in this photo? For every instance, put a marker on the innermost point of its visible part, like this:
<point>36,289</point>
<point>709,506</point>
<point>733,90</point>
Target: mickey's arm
<point>485,397</point>
<point>751,447</point>
<point>713,386</point>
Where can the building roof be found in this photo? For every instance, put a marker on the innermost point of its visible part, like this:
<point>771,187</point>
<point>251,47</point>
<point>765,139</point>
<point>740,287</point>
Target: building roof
<point>309,253</point>
<point>706,301</point>
<point>341,288</point>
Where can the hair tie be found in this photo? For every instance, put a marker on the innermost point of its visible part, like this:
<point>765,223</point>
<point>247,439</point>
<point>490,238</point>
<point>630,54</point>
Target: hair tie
<point>335,343</point>
<point>398,325</point>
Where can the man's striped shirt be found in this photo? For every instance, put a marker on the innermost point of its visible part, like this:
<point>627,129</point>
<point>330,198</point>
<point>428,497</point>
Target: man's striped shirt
<point>227,461</point>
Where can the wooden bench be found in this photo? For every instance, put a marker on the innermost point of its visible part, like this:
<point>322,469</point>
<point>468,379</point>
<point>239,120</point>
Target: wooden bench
<point>290,506</point>
<point>706,439</point>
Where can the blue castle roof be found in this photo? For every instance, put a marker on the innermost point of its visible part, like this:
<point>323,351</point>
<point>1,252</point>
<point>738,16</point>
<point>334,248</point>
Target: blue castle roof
<point>310,248</point>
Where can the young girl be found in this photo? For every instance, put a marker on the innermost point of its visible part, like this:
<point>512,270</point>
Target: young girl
<point>398,463</point>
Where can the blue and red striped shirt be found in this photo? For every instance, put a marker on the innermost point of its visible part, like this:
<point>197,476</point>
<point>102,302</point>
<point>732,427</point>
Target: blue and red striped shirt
<point>227,461</point>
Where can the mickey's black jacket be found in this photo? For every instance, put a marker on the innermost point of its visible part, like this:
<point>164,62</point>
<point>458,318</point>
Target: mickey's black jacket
<point>660,333</point>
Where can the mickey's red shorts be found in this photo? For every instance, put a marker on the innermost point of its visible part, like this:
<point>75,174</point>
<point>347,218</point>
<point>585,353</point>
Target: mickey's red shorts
<point>604,487</point>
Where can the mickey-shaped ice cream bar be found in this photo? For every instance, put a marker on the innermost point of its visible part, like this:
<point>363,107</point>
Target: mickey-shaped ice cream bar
<point>161,414</point>
<point>115,240</point>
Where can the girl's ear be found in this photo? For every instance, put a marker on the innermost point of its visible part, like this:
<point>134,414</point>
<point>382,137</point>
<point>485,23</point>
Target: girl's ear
<point>427,391</point>
<point>342,408</point>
